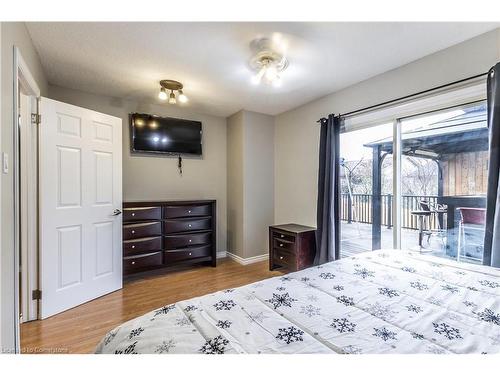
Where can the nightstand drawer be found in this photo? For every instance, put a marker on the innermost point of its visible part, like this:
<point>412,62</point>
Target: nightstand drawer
<point>284,258</point>
<point>183,240</point>
<point>189,253</point>
<point>186,225</point>
<point>141,245</point>
<point>187,211</point>
<point>283,236</point>
<point>141,213</point>
<point>131,231</point>
<point>284,245</point>
<point>138,262</point>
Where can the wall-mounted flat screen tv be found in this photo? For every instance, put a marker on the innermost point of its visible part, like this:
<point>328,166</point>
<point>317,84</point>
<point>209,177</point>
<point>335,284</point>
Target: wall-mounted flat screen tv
<point>165,135</point>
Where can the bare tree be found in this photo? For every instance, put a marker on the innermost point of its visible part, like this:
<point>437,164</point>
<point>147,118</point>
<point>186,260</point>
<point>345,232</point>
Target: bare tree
<point>358,175</point>
<point>419,176</point>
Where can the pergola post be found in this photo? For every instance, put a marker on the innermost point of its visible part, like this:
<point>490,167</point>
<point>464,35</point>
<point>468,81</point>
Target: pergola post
<point>376,198</point>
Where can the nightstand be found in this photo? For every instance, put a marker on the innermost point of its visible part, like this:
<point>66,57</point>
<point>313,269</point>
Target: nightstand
<point>291,246</point>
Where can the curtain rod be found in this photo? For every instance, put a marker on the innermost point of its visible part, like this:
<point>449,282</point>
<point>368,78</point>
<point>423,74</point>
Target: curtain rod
<point>407,96</point>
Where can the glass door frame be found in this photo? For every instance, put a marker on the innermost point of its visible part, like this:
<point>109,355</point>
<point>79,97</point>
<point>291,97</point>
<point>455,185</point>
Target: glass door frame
<point>396,183</point>
<point>397,162</point>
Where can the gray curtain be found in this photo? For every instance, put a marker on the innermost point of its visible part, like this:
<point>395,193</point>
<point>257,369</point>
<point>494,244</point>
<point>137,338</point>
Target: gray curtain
<point>492,234</point>
<point>328,213</point>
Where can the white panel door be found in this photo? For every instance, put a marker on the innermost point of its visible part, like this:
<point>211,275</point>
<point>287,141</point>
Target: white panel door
<point>80,205</point>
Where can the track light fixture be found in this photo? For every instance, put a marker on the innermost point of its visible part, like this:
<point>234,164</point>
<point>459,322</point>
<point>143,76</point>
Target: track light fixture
<point>170,85</point>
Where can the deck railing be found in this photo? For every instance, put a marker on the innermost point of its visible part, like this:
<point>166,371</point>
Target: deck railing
<point>359,209</point>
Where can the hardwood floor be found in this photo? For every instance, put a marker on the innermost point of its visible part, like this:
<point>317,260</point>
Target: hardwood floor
<point>79,330</point>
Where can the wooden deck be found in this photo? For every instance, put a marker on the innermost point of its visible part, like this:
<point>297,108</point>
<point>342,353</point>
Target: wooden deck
<point>357,238</point>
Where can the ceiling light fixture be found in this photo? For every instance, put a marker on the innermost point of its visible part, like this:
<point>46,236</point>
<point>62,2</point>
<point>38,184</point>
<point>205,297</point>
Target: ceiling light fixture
<point>162,95</point>
<point>171,98</point>
<point>266,63</point>
<point>182,98</point>
<point>170,85</point>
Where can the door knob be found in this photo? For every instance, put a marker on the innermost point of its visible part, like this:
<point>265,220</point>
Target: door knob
<point>117,212</point>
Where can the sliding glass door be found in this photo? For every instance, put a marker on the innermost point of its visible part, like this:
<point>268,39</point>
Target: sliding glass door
<point>429,197</point>
<point>366,191</point>
<point>444,169</point>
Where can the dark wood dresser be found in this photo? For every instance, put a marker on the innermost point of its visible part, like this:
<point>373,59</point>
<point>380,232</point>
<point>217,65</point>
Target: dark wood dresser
<point>291,246</point>
<point>168,233</point>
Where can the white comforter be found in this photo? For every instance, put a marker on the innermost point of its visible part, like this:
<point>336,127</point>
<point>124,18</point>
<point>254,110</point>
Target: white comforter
<point>386,301</point>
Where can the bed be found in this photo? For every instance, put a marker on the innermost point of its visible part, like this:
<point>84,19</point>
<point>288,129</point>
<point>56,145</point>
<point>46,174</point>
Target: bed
<point>386,301</point>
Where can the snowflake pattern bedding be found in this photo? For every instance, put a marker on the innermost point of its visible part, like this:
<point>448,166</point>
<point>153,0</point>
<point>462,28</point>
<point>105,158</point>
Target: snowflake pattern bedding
<point>386,301</point>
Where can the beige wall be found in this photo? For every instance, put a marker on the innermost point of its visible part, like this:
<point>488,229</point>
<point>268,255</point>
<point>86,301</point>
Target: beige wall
<point>250,182</point>
<point>12,34</point>
<point>235,187</point>
<point>157,178</point>
<point>297,133</point>
<point>259,182</point>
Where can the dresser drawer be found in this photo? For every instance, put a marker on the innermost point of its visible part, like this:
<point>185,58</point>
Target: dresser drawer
<point>284,258</point>
<point>283,245</point>
<point>183,240</point>
<point>189,253</point>
<point>283,236</point>
<point>131,231</point>
<point>187,211</point>
<point>139,262</point>
<point>141,245</point>
<point>141,213</point>
<point>184,225</point>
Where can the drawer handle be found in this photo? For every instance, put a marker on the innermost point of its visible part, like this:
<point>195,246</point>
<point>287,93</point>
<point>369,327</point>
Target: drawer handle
<point>133,263</point>
<point>282,236</point>
<point>133,231</point>
<point>189,253</point>
<point>133,213</point>
<point>189,225</point>
<point>190,240</point>
<point>281,245</point>
<point>189,211</point>
<point>281,258</point>
<point>133,246</point>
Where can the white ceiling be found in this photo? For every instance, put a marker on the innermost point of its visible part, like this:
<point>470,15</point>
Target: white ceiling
<point>128,59</point>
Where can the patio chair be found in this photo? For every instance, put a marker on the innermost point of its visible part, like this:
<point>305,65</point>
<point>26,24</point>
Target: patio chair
<point>423,220</point>
<point>472,219</point>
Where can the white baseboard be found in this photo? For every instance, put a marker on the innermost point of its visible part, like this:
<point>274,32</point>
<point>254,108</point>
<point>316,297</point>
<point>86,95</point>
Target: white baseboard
<point>221,254</point>
<point>245,261</point>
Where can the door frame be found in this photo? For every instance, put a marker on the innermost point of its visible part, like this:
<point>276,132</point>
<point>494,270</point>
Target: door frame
<point>28,201</point>
<point>23,79</point>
